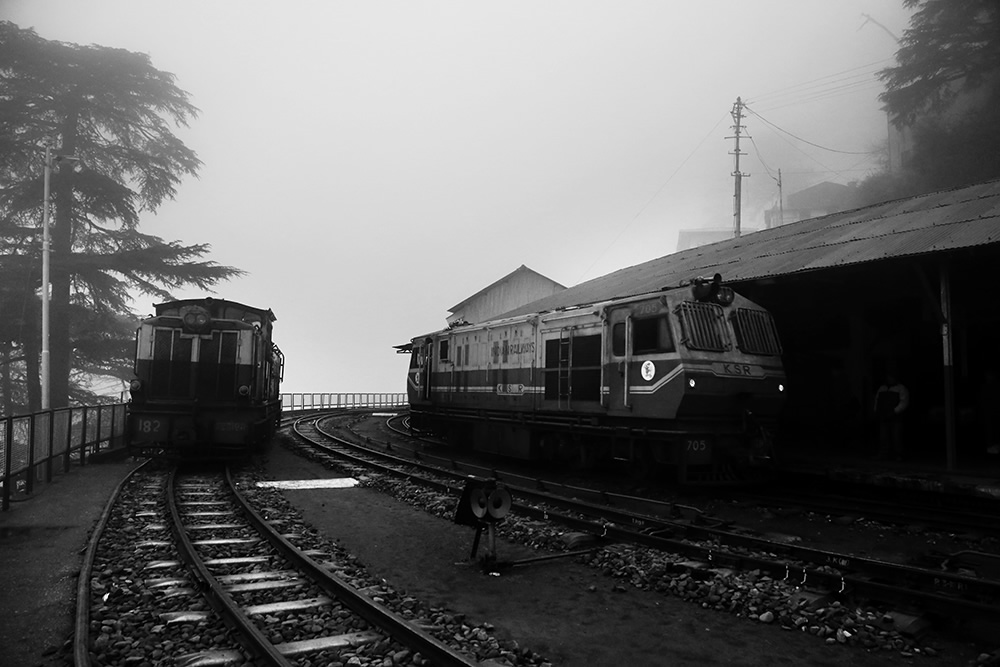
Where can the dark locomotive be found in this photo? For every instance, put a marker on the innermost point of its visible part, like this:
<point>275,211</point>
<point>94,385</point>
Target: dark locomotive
<point>207,381</point>
<point>688,379</point>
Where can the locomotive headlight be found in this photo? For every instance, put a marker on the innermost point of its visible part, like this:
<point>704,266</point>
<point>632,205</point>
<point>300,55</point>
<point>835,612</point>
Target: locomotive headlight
<point>691,383</point>
<point>244,390</point>
<point>781,387</point>
<point>196,320</point>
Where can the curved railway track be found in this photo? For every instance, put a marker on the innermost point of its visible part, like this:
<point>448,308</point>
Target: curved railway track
<point>216,581</point>
<point>704,544</point>
<point>895,505</point>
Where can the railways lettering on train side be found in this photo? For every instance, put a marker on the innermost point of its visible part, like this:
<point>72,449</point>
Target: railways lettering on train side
<point>207,376</point>
<point>688,379</point>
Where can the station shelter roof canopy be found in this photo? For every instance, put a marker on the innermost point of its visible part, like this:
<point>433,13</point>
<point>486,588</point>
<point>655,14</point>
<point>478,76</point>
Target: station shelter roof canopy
<point>936,222</point>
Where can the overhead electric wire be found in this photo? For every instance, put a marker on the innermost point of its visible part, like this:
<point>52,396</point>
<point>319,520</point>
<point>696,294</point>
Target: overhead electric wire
<point>808,94</point>
<point>844,82</point>
<point>806,141</point>
<point>853,80</point>
<point>760,158</point>
<point>808,88</point>
<point>816,81</point>
<point>806,154</point>
<point>846,90</point>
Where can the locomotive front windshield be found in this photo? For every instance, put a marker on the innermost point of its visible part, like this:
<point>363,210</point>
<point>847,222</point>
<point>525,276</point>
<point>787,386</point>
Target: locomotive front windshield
<point>183,365</point>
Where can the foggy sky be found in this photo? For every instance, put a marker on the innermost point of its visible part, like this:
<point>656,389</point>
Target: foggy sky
<point>372,164</point>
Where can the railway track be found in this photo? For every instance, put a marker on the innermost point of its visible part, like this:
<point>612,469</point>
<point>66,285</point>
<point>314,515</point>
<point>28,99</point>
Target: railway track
<point>899,506</point>
<point>705,545</point>
<point>212,580</point>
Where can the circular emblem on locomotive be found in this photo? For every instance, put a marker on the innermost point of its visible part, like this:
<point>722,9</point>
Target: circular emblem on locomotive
<point>648,370</point>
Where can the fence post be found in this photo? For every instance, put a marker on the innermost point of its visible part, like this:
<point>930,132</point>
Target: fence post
<point>114,424</point>
<point>30,481</point>
<point>49,453</point>
<point>83,436</point>
<point>100,428</point>
<point>8,458</point>
<point>69,440</point>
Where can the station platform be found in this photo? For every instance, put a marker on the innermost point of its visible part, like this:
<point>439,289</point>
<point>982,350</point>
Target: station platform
<point>976,477</point>
<point>42,537</point>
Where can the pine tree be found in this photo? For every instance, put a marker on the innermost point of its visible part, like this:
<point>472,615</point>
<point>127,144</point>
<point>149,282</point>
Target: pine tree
<point>113,110</point>
<point>951,49</point>
<point>944,91</point>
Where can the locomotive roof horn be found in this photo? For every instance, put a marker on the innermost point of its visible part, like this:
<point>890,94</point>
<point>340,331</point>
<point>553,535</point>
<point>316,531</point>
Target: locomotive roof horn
<point>712,290</point>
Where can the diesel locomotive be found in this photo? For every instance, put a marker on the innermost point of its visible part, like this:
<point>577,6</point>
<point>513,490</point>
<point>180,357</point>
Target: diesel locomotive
<point>688,380</point>
<point>206,384</point>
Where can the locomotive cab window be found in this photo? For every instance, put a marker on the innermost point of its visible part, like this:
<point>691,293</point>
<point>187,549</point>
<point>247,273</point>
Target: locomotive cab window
<point>652,334</point>
<point>618,339</point>
<point>443,351</point>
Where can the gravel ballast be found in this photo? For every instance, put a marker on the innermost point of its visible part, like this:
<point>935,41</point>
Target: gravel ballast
<point>621,605</point>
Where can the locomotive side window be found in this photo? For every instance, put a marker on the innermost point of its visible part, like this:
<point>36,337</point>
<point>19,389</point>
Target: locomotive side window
<point>652,334</point>
<point>618,339</point>
<point>443,351</point>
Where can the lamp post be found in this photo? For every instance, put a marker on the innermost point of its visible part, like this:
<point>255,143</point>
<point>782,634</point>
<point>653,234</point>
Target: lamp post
<point>51,163</point>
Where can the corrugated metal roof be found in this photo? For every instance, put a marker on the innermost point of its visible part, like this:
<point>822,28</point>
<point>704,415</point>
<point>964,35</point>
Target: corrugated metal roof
<point>935,222</point>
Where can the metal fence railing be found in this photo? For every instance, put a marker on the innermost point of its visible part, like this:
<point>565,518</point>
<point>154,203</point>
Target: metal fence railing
<point>323,401</point>
<point>32,446</point>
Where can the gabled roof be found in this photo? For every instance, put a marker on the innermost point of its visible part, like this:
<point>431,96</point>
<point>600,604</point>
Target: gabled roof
<point>519,270</point>
<point>931,223</point>
<point>826,195</point>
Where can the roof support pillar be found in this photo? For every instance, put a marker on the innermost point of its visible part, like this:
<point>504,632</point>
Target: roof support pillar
<point>948,366</point>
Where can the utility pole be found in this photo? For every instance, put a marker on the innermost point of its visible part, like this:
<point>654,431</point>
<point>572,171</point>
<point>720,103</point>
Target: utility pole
<point>737,114</point>
<point>781,202</point>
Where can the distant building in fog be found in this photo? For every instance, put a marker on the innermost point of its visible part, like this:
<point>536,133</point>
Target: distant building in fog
<point>514,290</point>
<point>821,199</point>
<point>692,238</point>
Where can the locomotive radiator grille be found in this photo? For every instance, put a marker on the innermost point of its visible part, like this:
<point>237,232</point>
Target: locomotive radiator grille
<point>755,332</point>
<point>703,326</point>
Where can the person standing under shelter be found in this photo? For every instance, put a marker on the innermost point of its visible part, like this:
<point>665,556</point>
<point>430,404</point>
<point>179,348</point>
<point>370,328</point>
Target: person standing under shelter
<point>891,401</point>
<point>988,407</point>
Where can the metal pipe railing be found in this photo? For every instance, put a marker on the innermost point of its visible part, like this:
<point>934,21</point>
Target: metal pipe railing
<point>32,445</point>
<point>295,402</point>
